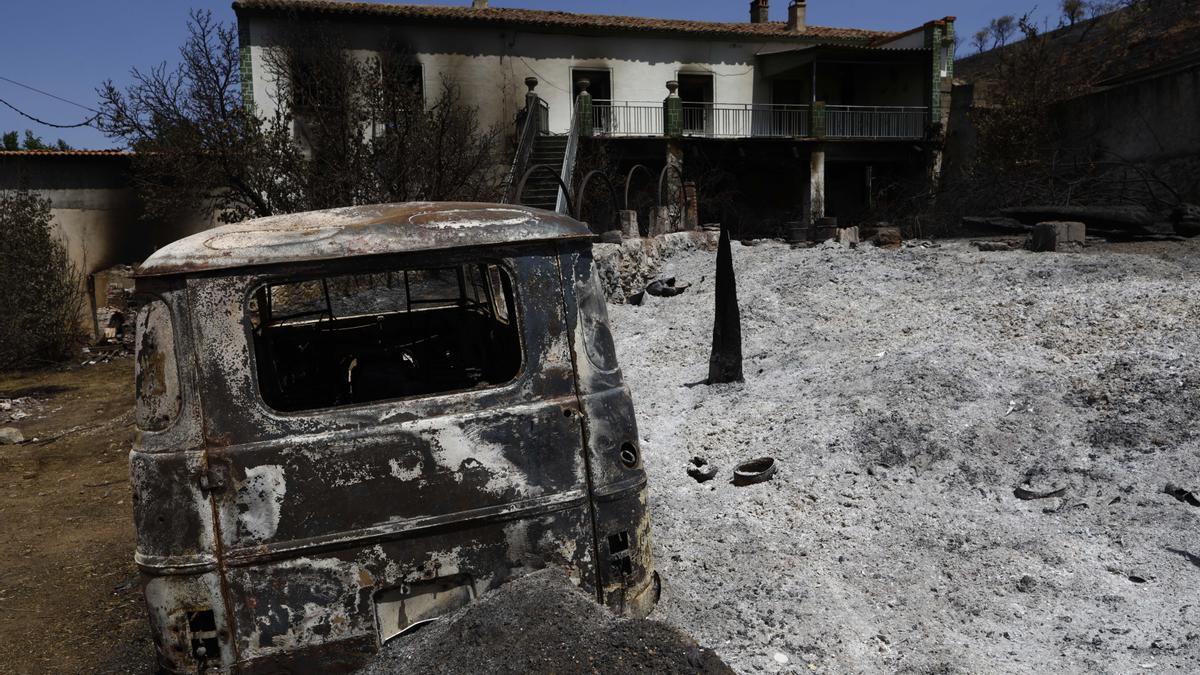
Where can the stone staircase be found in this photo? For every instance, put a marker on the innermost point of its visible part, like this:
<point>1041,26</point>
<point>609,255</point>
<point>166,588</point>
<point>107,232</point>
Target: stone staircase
<point>541,191</point>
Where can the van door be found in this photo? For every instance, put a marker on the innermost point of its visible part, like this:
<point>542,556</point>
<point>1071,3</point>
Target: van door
<point>384,462</point>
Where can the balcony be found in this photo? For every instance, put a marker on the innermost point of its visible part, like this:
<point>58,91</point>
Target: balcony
<point>644,119</point>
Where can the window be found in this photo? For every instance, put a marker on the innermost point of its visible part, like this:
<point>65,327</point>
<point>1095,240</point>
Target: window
<point>353,339</point>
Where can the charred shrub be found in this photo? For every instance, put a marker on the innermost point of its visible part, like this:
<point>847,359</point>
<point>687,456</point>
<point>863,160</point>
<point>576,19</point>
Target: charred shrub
<point>42,302</point>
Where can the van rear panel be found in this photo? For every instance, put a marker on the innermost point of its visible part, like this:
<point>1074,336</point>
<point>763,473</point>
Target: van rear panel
<point>322,532</point>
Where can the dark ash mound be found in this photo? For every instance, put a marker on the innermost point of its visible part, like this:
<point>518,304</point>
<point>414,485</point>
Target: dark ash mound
<point>540,623</point>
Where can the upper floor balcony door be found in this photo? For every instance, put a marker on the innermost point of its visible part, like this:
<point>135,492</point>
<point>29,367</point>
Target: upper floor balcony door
<point>696,90</point>
<point>600,86</point>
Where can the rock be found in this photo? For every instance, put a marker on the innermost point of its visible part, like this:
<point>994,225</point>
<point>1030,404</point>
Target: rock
<point>701,471</point>
<point>1186,219</point>
<point>1026,584</point>
<point>610,237</point>
<point>1043,239</point>
<point>11,436</point>
<point>887,237</point>
<point>1069,232</point>
<point>1054,235</point>
<point>847,236</point>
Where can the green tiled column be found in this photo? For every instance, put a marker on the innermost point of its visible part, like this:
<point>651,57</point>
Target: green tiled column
<point>673,112</point>
<point>584,111</point>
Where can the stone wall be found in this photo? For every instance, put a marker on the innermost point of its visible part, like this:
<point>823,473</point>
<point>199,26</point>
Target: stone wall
<point>627,267</point>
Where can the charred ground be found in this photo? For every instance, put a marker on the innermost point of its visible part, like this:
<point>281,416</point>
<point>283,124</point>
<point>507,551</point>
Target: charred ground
<point>905,394</point>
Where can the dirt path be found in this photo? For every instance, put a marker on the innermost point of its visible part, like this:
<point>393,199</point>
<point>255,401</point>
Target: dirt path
<point>906,394</point>
<point>69,600</point>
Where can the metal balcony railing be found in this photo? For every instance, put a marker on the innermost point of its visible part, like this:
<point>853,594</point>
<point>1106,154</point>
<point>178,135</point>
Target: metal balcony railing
<point>628,119</point>
<point>875,122</point>
<point>726,120</point>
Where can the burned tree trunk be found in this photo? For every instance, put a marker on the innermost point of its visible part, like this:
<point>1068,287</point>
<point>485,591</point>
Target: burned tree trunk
<point>725,364</point>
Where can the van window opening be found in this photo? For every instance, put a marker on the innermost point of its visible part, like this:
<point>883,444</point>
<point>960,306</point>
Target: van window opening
<point>357,338</point>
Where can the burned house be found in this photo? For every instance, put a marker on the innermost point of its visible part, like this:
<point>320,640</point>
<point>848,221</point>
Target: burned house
<point>784,120</point>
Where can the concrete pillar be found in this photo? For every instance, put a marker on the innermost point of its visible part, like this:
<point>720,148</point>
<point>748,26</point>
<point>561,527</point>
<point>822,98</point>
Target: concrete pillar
<point>815,206</point>
<point>629,224</point>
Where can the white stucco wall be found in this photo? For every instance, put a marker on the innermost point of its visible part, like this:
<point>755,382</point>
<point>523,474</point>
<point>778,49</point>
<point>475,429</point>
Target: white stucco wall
<point>491,64</point>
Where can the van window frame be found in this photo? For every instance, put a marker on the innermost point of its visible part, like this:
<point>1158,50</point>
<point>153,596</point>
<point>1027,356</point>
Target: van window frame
<point>255,282</point>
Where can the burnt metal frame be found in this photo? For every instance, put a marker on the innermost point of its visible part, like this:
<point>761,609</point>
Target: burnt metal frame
<point>565,189</point>
<point>629,180</point>
<point>612,197</point>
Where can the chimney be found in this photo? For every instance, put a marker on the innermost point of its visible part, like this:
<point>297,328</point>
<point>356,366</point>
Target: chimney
<point>797,16</point>
<point>759,9</point>
<point>479,4</point>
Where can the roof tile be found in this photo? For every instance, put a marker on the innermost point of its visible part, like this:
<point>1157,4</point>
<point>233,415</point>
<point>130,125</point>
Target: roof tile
<point>558,21</point>
<point>64,153</point>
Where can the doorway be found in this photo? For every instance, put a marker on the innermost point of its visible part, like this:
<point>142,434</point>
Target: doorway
<point>600,87</point>
<point>696,90</point>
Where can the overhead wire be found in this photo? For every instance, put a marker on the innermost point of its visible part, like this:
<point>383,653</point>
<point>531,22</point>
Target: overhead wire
<point>86,123</point>
<point>46,93</point>
<point>22,113</point>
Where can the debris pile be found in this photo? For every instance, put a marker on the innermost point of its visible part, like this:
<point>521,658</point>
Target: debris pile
<point>541,623</point>
<point>115,310</point>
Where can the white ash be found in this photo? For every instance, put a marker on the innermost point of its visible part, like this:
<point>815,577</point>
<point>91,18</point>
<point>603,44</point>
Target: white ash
<point>906,393</point>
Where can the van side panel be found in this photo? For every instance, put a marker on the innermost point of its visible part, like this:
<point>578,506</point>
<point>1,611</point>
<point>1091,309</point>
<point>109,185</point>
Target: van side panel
<point>624,563</point>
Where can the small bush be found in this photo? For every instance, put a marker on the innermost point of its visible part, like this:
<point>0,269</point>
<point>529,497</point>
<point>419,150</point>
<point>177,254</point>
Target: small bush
<point>42,301</point>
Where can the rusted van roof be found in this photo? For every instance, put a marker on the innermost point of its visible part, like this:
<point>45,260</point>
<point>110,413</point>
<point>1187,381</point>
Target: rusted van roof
<point>359,231</point>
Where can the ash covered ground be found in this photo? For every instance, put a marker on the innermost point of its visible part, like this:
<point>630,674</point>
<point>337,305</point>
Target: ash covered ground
<point>906,394</point>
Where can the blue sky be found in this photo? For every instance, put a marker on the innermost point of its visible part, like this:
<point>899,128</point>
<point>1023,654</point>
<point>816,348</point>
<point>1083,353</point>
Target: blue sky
<point>68,47</point>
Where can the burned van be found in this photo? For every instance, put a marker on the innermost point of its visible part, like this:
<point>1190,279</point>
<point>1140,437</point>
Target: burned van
<point>351,422</point>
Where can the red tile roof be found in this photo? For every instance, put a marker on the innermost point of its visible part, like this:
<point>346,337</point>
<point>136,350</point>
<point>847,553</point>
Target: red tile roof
<point>64,153</point>
<point>559,21</point>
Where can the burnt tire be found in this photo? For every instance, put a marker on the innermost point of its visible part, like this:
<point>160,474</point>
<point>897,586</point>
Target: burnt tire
<point>755,471</point>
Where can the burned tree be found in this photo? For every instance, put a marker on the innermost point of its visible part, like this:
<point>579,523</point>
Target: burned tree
<point>725,364</point>
<point>347,130</point>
